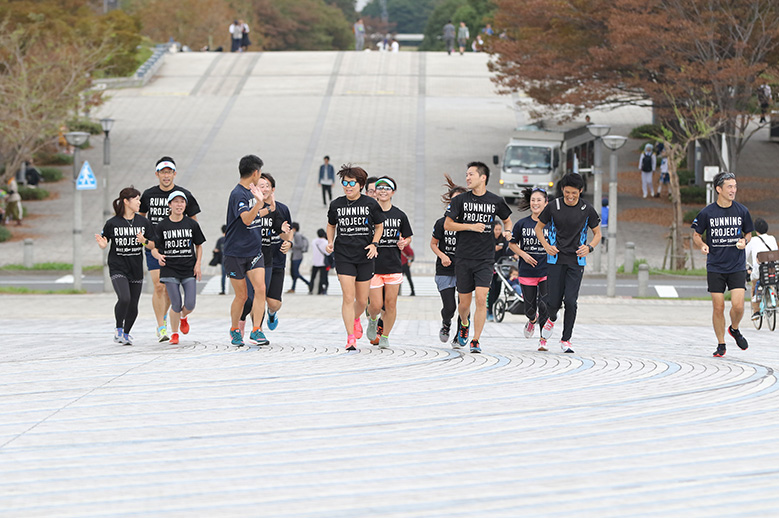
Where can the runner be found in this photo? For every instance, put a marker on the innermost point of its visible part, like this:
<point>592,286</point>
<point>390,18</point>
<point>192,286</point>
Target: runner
<point>728,227</point>
<point>396,236</point>
<point>243,248</point>
<point>276,243</point>
<point>178,249</point>
<point>562,230</point>
<point>444,244</point>
<point>358,221</point>
<point>532,261</point>
<point>154,205</point>
<point>127,233</point>
<point>472,215</point>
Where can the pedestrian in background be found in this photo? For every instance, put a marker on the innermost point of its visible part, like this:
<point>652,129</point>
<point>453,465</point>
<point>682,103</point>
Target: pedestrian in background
<point>245,42</point>
<point>326,180</point>
<point>236,36</point>
<point>218,258</point>
<point>449,37</point>
<point>647,165</point>
<point>359,35</point>
<point>463,35</point>
<point>14,208</point>
<point>299,247</point>
<point>319,257</point>
<point>406,258</point>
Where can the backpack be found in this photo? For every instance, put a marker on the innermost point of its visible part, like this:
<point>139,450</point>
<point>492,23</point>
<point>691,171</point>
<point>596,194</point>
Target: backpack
<point>646,163</point>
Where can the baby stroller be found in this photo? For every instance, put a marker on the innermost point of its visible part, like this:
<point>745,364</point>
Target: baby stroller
<point>508,300</point>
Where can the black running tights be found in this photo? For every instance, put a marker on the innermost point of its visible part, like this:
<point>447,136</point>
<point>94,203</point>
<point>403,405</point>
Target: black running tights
<point>126,309</point>
<point>449,299</point>
<point>535,302</point>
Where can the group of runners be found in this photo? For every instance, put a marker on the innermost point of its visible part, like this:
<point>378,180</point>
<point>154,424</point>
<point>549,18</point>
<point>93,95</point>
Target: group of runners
<point>366,233</point>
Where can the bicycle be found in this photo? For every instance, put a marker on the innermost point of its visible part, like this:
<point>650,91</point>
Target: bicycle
<point>766,291</point>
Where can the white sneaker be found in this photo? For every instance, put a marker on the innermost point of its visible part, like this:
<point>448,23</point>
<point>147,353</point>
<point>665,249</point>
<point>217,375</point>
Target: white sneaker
<point>565,345</point>
<point>383,342</point>
<point>530,327</point>
<point>546,331</point>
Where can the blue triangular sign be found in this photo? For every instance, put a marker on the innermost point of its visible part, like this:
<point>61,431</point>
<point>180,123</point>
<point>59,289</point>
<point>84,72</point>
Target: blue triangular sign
<point>86,178</point>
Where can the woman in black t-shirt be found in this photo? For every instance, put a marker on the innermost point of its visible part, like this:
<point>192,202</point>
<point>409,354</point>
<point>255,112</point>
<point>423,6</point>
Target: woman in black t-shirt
<point>443,243</point>
<point>126,233</point>
<point>358,222</point>
<point>178,248</point>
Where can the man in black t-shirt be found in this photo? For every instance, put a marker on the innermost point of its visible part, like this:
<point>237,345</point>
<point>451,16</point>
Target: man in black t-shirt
<point>728,228</point>
<point>154,206</point>
<point>472,215</point>
<point>567,220</point>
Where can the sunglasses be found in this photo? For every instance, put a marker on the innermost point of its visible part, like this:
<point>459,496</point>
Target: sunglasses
<point>725,176</point>
<point>538,189</point>
<point>383,188</point>
<point>351,183</point>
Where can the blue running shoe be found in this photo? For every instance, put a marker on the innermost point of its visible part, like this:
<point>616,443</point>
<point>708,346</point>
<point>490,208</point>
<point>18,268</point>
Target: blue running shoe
<point>119,335</point>
<point>128,339</point>
<point>258,337</point>
<point>237,339</point>
<point>462,334</point>
<point>475,346</point>
<point>273,321</point>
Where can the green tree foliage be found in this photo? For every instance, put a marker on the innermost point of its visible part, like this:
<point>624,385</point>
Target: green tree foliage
<point>409,16</point>
<point>475,14</point>
<point>346,6</point>
<point>302,25</point>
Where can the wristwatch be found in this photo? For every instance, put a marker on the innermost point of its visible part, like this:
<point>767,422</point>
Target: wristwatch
<point>590,247</point>
<point>376,244</point>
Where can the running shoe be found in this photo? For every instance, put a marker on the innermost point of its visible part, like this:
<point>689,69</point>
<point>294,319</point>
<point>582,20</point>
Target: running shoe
<point>258,337</point>
<point>490,317</point>
<point>530,327</point>
<point>174,338</point>
<point>443,334</point>
<point>273,320</point>
<point>373,326</point>
<point>565,345</point>
<point>720,352</point>
<point>379,331</point>
<point>236,337</point>
<point>383,342</point>
<point>475,346</point>
<point>162,334</point>
<point>119,335</point>
<point>462,334</point>
<point>357,328</point>
<point>351,343</point>
<point>184,326</point>
<point>738,337</point>
<point>456,342</point>
<point>542,345</point>
<point>546,331</point>
<point>127,339</point>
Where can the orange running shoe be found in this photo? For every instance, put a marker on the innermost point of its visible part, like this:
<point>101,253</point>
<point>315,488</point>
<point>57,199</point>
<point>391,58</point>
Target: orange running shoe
<point>184,327</point>
<point>174,338</point>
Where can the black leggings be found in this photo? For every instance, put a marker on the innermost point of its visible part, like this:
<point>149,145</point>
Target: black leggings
<point>495,287</point>
<point>126,309</point>
<point>535,302</point>
<point>449,299</point>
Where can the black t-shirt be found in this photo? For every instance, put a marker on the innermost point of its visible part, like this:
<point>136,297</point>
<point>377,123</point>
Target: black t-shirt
<point>396,225</point>
<point>469,208</point>
<point>176,240</point>
<point>355,223</point>
<point>524,234</point>
<point>242,240</point>
<point>125,257</point>
<point>271,241</point>
<point>447,243</point>
<point>154,203</point>
<point>723,228</point>
<point>566,229</point>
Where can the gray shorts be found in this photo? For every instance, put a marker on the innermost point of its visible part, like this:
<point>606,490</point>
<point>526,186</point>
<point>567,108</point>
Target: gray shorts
<point>444,282</point>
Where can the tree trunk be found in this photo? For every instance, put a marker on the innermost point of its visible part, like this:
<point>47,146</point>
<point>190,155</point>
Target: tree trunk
<point>676,153</point>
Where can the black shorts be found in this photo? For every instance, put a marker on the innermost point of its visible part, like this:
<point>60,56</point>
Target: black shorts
<point>720,282</point>
<point>472,274</point>
<point>362,271</point>
<point>236,267</point>
<point>274,283</point>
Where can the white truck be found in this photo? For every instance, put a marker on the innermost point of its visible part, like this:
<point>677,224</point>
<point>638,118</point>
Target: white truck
<point>539,154</point>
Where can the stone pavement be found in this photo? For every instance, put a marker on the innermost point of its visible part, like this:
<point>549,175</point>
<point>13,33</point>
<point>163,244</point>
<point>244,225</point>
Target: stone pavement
<point>641,421</point>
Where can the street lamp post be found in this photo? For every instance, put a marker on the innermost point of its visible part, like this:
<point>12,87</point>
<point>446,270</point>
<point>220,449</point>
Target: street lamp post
<point>107,124</point>
<point>76,139</point>
<point>598,131</point>
<point>613,142</point>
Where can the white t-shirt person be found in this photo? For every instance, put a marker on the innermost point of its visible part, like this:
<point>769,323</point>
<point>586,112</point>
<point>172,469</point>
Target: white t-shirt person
<point>759,243</point>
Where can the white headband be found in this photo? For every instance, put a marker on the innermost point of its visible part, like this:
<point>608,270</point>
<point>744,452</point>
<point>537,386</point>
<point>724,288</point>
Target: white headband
<point>387,181</point>
<point>166,165</point>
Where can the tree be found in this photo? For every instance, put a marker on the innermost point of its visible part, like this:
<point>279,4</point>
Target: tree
<point>302,25</point>
<point>48,53</point>
<point>409,16</point>
<point>475,13</point>
<point>347,7</point>
<point>580,54</point>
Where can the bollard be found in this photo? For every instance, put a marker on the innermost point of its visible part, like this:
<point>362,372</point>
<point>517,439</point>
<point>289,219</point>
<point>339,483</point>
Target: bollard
<point>643,279</point>
<point>630,256</point>
<point>28,255</point>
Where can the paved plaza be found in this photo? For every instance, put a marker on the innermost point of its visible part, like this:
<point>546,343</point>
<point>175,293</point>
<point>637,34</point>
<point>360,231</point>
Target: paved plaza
<point>640,421</point>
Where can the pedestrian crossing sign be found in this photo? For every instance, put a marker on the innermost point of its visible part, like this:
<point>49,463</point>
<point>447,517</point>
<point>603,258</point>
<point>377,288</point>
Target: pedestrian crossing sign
<point>86,178</point>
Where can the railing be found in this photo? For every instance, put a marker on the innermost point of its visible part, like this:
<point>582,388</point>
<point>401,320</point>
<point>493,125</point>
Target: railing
<point>142,76</point>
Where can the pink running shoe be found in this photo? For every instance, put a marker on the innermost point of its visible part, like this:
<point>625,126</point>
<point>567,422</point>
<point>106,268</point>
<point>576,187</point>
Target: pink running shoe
<point>357,328</point>
<point>351,343</point>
